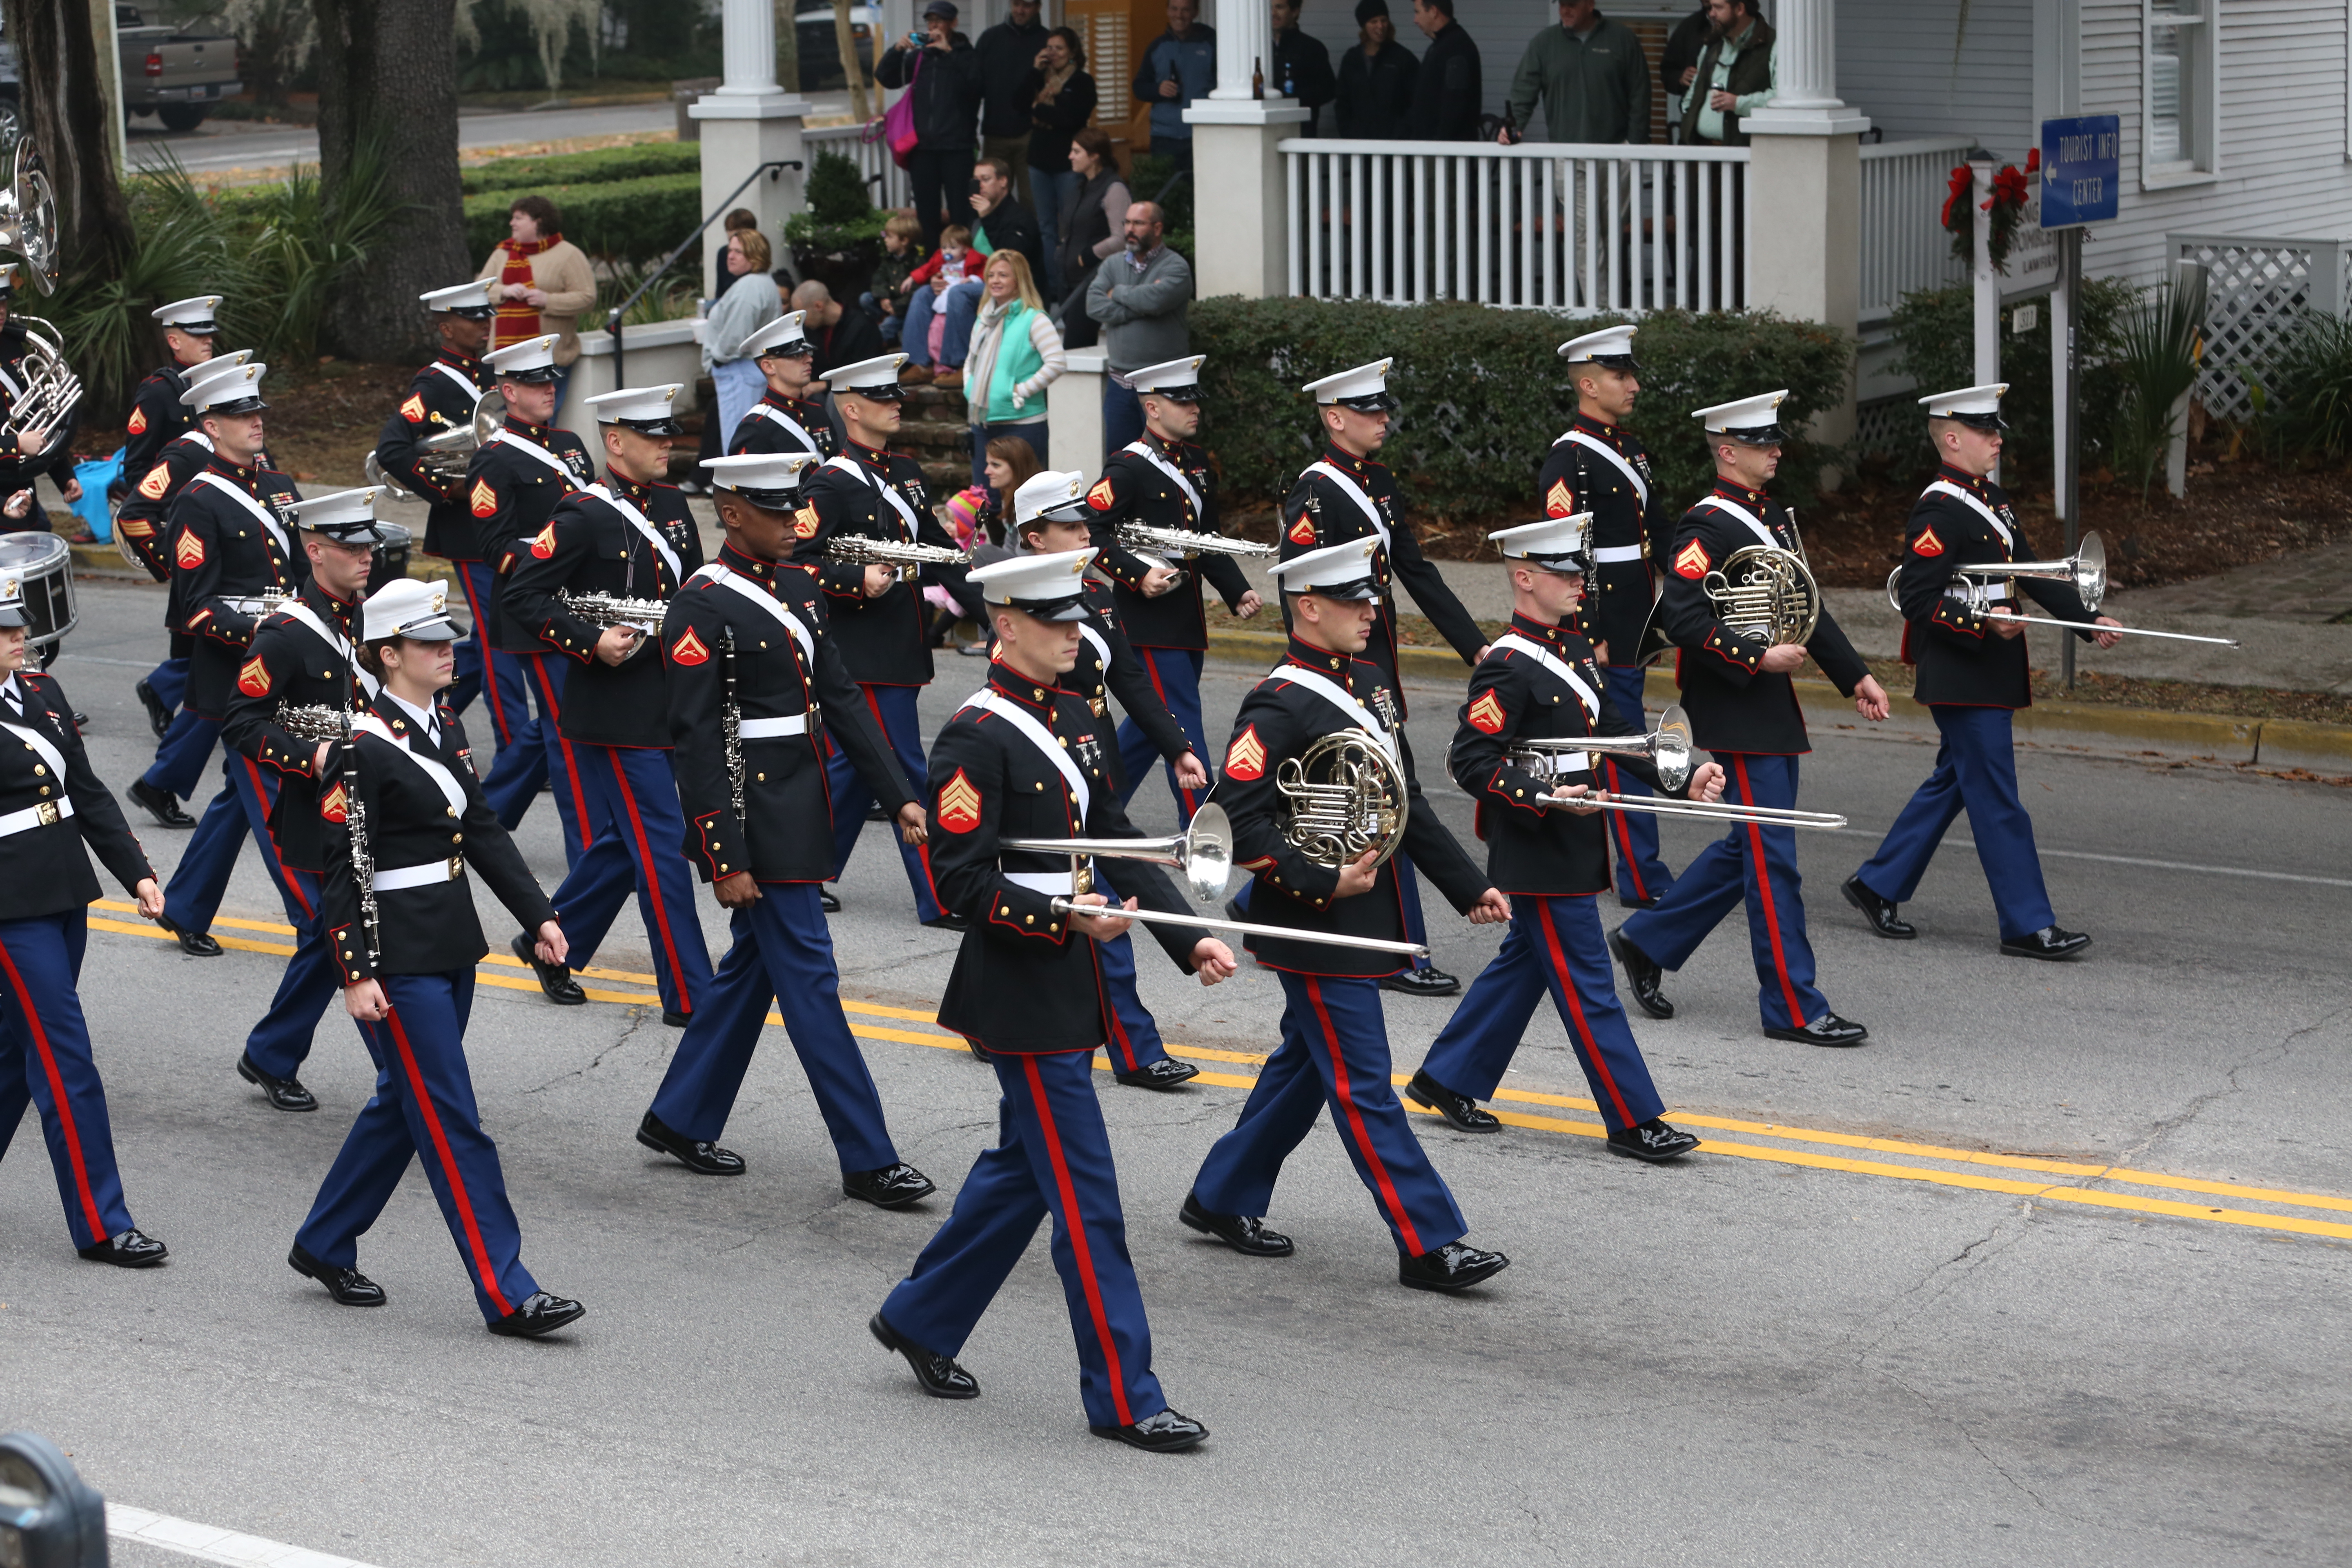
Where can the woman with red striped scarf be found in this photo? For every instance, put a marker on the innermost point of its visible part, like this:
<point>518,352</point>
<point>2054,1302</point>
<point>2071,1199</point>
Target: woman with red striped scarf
<point>542,284</point>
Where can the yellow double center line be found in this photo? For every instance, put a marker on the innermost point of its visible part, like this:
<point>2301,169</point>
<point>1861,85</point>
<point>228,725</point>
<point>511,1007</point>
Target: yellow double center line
<point>2051,1181</point>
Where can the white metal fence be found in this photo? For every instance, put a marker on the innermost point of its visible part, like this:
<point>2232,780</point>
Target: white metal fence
<point>1904,246</point>
<point>2258,291</point>
<point>887,181</point>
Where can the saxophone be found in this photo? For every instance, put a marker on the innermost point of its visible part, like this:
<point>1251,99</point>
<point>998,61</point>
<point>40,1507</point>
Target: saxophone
<point>730,721</point>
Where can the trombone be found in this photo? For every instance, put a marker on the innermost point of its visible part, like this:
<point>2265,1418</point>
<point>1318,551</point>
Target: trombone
<point>1705,810</point>
<point>1985,583</point>
<point>1668,747</point>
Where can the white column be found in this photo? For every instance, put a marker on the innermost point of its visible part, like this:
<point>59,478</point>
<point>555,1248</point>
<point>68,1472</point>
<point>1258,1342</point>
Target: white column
<point>1805,102</point>
<point>1245,42</point>
<point>749,47</point>
<point>1245,251</point>
<point>747,122</point>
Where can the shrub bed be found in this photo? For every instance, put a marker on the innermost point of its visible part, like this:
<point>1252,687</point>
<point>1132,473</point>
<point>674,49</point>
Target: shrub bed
<point>606,163</point>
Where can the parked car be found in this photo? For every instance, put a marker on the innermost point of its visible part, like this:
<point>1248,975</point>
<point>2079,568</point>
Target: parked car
<point>821,50</point>
<point>174,75</point>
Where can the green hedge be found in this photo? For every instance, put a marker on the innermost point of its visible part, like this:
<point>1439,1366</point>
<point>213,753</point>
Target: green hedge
<point>622,220</point>
<point>523,175</point>
<point>1484,396</point>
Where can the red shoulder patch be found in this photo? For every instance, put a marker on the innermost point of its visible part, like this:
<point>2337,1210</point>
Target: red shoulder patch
<point>189,553</point>
<point>1303,530</point>
<point>1928,543</point>
<point>413,410</point>
<point>1560,501</point>
<point>1692,562</point>
<point>335,805</point>
<point>959,804</point>
<point>138,426</point>
<point>688,649</point>
<point>1486,714</point>
<point>542,543</point>
<point>1245,758</point>
<point>1102,498</point>
<point>254,679</point>
<point>158,481</point>
<point>805,522</point>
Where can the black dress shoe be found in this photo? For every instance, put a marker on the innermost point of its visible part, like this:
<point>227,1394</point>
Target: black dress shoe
<point>1626,902</point>
<point>875,813</point>
<point>1166,1433</point>
<point>1421,983</point>
<point>1456,1266</point>
<point>1244,1233</point>
<point>1642,977</point>
<point>2049,942</point>
<point>828,900</point>
<point>947,919</point>
<point>1165,1073</point>
<point>1878,911</point>
<point>542,1314</point>
<point>1829,1029</point>
<point>703,1158</point>
<point>940,1375</point>
<point>81,720</point>
<point>1459,1110</point>
<point>284,1093</point>
<point>677,1020</point>
<point>348,1287</point>
<point>554,979</point>
<point>131,1249</point>
<point>1652,1141</point>
<point>159,717</point>
<point>194,944</point>
<point>978,1051</point>
<point>892,1187</point>
<point>159,805</point>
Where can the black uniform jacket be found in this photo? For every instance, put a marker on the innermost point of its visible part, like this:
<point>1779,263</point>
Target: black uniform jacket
<point>786,834</point>
<point>1515,698</point>
<point>510,494</point>
<point>431,929</point>
<point>1733,707</point>
<point>221,550</point>
<point>882,639</point>
<point>1317,513</point>
<point>43,870</point>
<point>1024,983</point>
<point>1108,666</point>
<point>148,502</point>
<point>18,471</point>
<point>1961,660</point>
<point>157,419</point>
<point>293,665</point>
<point>589,546</point>
<point>1278,719</point>
<point>1134,489</point>
<point>435,403</point>
<point>1618,594</point>
<point>763,432</point>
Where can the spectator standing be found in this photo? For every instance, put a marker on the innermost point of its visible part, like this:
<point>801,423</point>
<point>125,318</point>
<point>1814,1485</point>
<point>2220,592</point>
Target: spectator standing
<point>1301,67</point>
<point>1447,91</point>
<point>1140,298</point>
<point>748,304</point>
<point>902,252</point>
<point>1679,63</point>
<point>1090,229</point>
<point>1180,66</point>
<point>1061,101</point>
<point>1016,354</point>
<point>1738,74</point>
<point>542,284</point>
<point>1376,79</point>
<point>944,73</point>
<point>1591,77</point>
<point>1005,55</point>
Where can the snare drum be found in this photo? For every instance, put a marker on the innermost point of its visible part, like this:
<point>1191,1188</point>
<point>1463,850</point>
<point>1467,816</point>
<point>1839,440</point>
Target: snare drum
<point>391,556</point>
<point>42,565</point>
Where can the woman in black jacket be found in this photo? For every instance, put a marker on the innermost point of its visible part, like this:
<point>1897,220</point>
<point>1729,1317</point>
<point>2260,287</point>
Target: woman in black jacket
<point>1087,229</point>
<point>945,74</point>
<point>1062,99</point>
<point>1376,79</point>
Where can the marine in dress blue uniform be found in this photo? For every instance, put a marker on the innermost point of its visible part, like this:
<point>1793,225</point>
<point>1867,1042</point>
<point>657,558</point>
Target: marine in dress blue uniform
<point>756,688</point>
<point>1335,1046</point>
<point>877,614</point>
<point>786,419</point>
<point>158,417</point>
<point>1540,682</point>
<point>633,539</point>
<point>1164,479</point>
<point>404,822</point>
<point>1020,760</point>
<point>1743,709</point>
<point>1346,495</point>
<point>1973,678</point>
<point>1600,467</point>
<point>51,805</point>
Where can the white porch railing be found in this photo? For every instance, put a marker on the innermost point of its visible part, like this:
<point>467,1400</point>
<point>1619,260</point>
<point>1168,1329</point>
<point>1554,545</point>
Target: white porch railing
<point>872,158</point>
<point>1903,246</point>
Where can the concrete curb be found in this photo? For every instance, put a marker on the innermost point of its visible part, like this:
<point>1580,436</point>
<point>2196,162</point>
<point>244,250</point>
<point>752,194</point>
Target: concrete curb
<point>2274,742</point>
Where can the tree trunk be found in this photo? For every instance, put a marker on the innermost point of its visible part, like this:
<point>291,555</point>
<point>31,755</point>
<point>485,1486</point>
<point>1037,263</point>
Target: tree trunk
<point>388,72</point>
<point>788,46</point>
<point>846,42</point>
<point>66,109</point>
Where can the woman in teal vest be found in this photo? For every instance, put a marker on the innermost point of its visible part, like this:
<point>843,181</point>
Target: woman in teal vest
<point>1016,353</point>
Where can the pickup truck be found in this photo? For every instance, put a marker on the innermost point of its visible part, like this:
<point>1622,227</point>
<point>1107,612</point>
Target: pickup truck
<point>177,76</point>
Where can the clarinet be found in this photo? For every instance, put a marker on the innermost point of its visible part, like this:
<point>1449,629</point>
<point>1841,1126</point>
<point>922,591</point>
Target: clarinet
<point>355,824</point>
<point>730,720</point>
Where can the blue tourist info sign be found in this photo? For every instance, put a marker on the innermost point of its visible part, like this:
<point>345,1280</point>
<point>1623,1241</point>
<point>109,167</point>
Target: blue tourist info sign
<point>2081,170</point>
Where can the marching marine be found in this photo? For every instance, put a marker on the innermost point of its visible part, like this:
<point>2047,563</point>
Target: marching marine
<point>786,419</point>
<point>160,413</point>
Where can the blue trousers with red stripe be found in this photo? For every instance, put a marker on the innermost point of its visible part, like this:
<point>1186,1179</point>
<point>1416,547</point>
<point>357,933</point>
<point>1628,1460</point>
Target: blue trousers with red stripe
<point>1176,676</point>
<point>1334,1050</point>
<point>540,752</point>
<point>1134,1034</point>
<point>1632,835</point>
<point>1975,768</point>
<point>169,682</point>
<point>424,1106</point>
<point>893,709</point>
<point>1554,945</point>
<point>1752,862</point>
<point>180,755</point>
<point>783,954</point>
<point>503,693</point>
<point>1051,1157</point>
<point>640,845</point>
<point>45,1061</point>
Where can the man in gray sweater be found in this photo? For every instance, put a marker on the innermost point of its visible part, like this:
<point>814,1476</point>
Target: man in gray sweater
<point>1138,298</point>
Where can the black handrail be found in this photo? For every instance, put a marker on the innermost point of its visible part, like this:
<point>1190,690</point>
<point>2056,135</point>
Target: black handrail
<point>613,317</point>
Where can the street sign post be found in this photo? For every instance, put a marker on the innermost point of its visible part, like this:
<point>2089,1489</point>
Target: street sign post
<point>2082,179</point>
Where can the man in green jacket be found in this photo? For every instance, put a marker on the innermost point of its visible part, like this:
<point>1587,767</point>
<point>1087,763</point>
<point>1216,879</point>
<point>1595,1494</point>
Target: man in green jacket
<point>1592,75</point>
<point>1736,75</point>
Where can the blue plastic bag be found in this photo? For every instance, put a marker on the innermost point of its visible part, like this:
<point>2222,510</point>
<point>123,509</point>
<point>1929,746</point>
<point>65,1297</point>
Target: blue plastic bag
<point>97,476</point>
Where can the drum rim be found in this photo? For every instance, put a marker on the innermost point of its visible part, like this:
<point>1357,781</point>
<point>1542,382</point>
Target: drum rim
<point>35,539</point>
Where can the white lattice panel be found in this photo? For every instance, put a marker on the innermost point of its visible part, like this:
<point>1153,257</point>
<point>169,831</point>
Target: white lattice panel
<point>2258,291</point>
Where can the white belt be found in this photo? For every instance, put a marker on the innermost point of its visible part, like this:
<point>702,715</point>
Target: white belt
<point>1965,591</point>
<point>1611,554</point>
<point>53,811</point>
<point>431,874</point>
<point>1564,763</point>
<point>1058,883</point>
<point>772,729</point>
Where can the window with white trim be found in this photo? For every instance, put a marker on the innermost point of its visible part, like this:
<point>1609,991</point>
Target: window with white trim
<point>2180,90</point>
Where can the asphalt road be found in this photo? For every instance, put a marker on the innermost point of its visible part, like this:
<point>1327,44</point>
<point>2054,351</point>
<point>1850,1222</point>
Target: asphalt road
<point>1802,1347</point>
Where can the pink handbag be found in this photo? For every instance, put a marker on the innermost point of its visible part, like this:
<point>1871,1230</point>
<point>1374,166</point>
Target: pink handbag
<point>898,119</point>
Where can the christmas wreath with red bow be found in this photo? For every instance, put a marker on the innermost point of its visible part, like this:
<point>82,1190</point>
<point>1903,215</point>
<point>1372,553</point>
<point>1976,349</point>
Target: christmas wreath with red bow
<point>2005,203</point>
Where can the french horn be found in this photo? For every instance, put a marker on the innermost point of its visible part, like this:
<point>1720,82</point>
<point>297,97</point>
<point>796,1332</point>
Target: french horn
<point>1342,797</point>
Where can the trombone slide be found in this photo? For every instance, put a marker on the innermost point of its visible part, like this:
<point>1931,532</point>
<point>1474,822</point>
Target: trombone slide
<point>1705,810</point>
<point>2088,627</point>
<point>1202,923</point>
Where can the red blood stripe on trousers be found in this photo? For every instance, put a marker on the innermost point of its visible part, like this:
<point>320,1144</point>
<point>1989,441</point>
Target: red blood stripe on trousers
<point>890,743</point>
<point>1587,1046</point>
<point>1076,1225</point>
<point>1151,668</point>
<point>653,880</point>
<point>457,1194</point>
<point>56,1093</point>
<point>1626,856</point>
<point>1125,1047</point>
<point>1355,1120</point>
<point>1797,1019</point>
<point>482,647</point>
<point>552,713</point>
<point>269,840</point>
